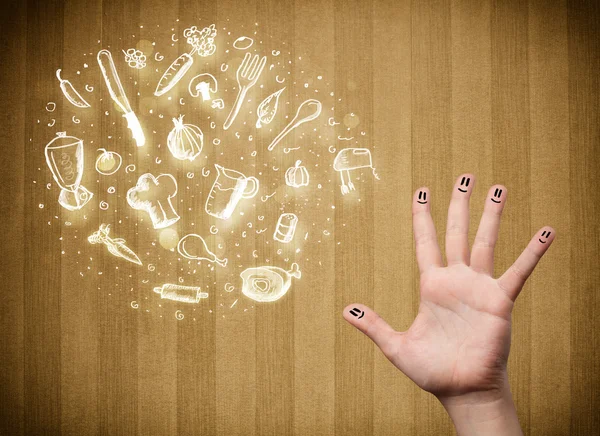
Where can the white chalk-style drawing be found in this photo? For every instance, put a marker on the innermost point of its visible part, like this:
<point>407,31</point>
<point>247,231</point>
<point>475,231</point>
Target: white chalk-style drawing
<point>117,93</point>
<point>64,157</point>
<point>199,249</point>
<point>268,283</point>
<point>307,111</point>
<point>108,162</point>
<point>286,227</point>
<point>183,294</point>
<point>202,42</point>
<point>71,93</point>
<point>247,75</point>
<point>135,58</point>
<point>50,106</point>
<point>228,189</point>
<point>268,108</point>
<point>243,43</point>
<point>116,246</point>
<point>153,195</point>
<point>185,141</point>
<point>297,176</point>
<point>203,84</point>
<point>351,159</point>
<point>217,103</point>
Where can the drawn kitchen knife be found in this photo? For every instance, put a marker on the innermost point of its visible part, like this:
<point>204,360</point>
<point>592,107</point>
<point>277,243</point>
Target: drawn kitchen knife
<point>113,83</point>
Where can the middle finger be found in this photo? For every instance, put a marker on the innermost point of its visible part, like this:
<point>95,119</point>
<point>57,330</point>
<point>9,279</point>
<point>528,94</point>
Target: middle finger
<point>457,229</point>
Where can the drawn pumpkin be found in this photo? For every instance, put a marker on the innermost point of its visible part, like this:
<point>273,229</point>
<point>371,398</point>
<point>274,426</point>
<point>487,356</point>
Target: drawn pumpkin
<point>297,176</point>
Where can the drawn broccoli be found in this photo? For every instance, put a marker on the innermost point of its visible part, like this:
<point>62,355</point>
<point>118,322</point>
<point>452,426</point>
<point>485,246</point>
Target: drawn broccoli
<point>203,40</point>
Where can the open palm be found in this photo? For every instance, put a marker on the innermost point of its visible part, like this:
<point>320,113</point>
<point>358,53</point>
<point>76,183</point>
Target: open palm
<point>460,340</point>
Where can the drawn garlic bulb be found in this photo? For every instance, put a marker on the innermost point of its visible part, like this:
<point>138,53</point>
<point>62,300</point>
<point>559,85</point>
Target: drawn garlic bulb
<point>268,108</point>
<point>185,140</point>
<point>268,283</point>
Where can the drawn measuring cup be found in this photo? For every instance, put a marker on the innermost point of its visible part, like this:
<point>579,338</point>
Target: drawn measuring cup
<point>229,188</point>
<point>64,156</point>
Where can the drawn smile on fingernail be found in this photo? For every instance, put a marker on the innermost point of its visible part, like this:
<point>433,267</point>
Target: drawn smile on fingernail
<point>544,235</point>
<point>464,182</point>
<point>497,194</point>
<point>356,311</point>
<point>422,194</point>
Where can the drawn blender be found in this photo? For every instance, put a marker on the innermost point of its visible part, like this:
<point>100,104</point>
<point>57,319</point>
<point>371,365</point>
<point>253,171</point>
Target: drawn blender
<point>352,159</point>
<point>64,157</point>
<point>247,74</point>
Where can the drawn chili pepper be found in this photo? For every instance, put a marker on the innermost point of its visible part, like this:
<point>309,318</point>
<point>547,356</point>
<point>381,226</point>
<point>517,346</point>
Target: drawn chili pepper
<point>71,93</point>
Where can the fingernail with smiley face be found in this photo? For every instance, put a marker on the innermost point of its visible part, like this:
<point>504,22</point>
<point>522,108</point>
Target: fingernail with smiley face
<point>421,198</point>
<point>544,236</point>
<point>465,182</point>
<point>497,194</point>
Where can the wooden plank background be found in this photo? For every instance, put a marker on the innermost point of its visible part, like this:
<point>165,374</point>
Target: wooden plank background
<point>508,90</point>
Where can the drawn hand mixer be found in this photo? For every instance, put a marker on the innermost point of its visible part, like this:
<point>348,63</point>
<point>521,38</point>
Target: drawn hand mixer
<point>352,159</point>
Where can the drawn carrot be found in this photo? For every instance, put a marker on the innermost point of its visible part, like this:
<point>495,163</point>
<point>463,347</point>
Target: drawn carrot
<point>202,42</point>
<point>71,93</point>
<point>116,246</point>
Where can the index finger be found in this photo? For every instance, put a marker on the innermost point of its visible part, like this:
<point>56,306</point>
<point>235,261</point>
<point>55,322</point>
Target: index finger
<point>514,278</point>
<point>426,244</point>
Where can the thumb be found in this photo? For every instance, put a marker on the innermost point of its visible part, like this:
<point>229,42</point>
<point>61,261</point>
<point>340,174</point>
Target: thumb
<point>372,325</point>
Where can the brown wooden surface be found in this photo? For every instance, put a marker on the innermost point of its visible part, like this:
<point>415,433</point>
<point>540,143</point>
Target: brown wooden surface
<point>507,90</point>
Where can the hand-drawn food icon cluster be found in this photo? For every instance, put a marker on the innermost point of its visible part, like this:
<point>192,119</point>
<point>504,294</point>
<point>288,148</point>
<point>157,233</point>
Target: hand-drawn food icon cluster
<point>154,194</point>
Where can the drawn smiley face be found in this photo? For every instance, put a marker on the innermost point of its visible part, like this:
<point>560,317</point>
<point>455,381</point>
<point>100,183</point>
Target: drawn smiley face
<point>496,197</point>
<point>545,235</point>
<point>464,184</point>
<point>422,197</point>
<point>355,311</point>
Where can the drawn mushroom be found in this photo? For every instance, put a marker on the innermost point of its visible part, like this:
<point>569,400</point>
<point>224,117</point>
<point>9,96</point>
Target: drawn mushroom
<point>203,84</point>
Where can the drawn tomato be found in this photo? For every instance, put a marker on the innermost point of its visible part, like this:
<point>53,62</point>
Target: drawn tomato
<point>108,162</point>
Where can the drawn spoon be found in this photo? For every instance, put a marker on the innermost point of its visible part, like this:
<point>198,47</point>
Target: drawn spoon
<point>311,107</point>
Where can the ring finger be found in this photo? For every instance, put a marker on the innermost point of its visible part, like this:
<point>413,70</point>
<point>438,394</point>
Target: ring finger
<point>482,256</point>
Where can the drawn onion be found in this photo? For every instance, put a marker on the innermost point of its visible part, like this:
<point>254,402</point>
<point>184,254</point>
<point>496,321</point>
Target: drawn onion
<point>185,140</point>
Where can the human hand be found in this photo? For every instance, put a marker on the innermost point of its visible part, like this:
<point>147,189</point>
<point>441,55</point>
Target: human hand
<point>457,347</point>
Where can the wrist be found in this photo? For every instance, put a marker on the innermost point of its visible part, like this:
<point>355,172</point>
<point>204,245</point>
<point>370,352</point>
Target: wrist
<point>483,413</point>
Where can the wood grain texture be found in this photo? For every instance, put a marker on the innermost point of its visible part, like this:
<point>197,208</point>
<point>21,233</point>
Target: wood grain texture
<point>507,90</point>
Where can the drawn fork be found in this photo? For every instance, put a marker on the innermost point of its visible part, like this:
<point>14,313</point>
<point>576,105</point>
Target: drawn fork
<point>247,75</point>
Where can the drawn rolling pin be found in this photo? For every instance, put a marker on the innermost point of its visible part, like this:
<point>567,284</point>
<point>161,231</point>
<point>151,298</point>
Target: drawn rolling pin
<point>113,83</point>
<point>184,294</point>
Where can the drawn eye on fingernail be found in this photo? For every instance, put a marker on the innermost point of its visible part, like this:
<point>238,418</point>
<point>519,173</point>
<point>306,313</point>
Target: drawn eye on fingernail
<point>545,235</point>
<point>496,196</point>
<point>422,197</point>
<point>355,311</point>
<point>464,183</point>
